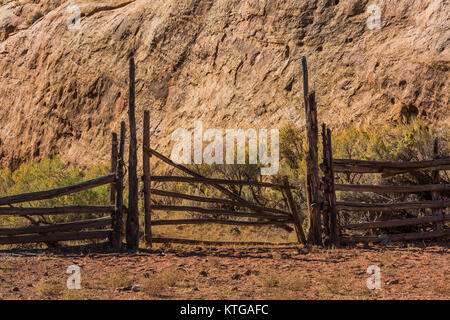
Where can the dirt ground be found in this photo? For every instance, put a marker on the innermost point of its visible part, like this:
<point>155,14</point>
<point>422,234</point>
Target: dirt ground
<point>407,272</point>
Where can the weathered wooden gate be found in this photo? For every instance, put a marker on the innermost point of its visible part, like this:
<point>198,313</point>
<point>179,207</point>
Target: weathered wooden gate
<point>261,215</point>
<point>51,233</point>
<point>332,207</point>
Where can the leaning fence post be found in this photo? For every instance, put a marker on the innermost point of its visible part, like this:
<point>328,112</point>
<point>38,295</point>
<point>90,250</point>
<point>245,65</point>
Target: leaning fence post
<point>295,215</point>
<point>146,167</point>
<point>118,213</point>
<point>132,230</point>
<point>312,172</point>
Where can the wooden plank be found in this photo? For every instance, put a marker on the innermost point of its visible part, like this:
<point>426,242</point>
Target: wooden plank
<point>70,236</point>
<point>315,229</point>
<point>396,223</point>
<point>392,189</point>
<point>215,200</point>
<point>117,225</point>
<point>216,181</point>
<point>192,173</point>
<point>55,210</point>
<point>368,166</point>
<point>220,243</point>
<point>113,168</point>
<point>356,206</point>
<point>58,227</point>
<point>217,221</point>
<point>435,195</point>
<point>220,211</point>
<point>49,194</point>
<point>396,237</point>
<point>334,228</point>
<point>325,186</point>
<point>132,228</point>
<point>146,181</point>
<point>295,214</point>
<point>219,187</point>
<point>312,169</point>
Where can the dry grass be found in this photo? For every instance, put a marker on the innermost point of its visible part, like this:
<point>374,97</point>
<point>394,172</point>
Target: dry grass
<point>74,295</point>
<point>268,280</point>
<point>202,273</point>
<point>120,278</point>
<point>295,284</point>
<point>153,287</point>
<point>49,288</point>
<point>157,284</point>
<point>331,285</point>
<point>214,232</point>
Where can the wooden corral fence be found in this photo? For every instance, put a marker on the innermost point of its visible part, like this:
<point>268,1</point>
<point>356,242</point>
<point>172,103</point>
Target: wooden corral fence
<point>261,215</point>
<point>324,209</point>
<point>106,227</point>
<point>332,208</point>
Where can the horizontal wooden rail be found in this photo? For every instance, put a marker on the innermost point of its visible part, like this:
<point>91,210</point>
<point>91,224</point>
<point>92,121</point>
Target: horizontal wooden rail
<point>215,181</point>
<point>367,166</point>
<point>56,210</point>
<point>49,194</point>
<point>219,243</point>
<point>53,237</point>
<point>215,200</point>
<point>192,173</point>
<point>395,237</point>
<point>220,211</point>
<point>356,206</point>
<point>217,221</point>
<point>58,227</point>
<point>392,189</point>
<point>397,223</point>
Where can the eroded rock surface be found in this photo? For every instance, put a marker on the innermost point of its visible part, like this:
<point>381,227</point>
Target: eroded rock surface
<point>229,63</point>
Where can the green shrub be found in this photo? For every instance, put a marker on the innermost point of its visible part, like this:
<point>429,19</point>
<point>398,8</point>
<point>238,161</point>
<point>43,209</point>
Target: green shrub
<point>50,174</point>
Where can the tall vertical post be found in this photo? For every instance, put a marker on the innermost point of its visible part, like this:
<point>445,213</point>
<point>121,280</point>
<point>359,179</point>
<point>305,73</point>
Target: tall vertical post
<point>435,195</point>
<point>325,186</point>
<point>146,167</point>
<point>312,175</point>
<point>113,169</point>
<point>132,230</point>
<point>118,213</point>
<point>334,236</point>
<point>295,215</point>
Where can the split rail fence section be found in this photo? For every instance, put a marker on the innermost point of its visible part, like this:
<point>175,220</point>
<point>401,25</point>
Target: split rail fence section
<point>263,215</point>
<point>324,209</point>
<point>105,227</point>
<point>332,207</point>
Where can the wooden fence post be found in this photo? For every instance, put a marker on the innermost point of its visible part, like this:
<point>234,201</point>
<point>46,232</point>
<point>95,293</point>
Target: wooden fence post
<point>334,237</point>
<point>146,167</point>
<point>114,155</point>
<point>325,186</point>
<point>295,215</point>
<point>113,169</point>
<point>435,195</point>
<point>118,214</point>
<point>132,230</point>
<point>312,175</point>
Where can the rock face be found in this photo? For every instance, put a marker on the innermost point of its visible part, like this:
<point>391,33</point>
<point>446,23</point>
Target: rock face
<point>228,63</point>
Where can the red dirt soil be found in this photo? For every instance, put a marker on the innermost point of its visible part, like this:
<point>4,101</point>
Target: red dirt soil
<point>407,272</point>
